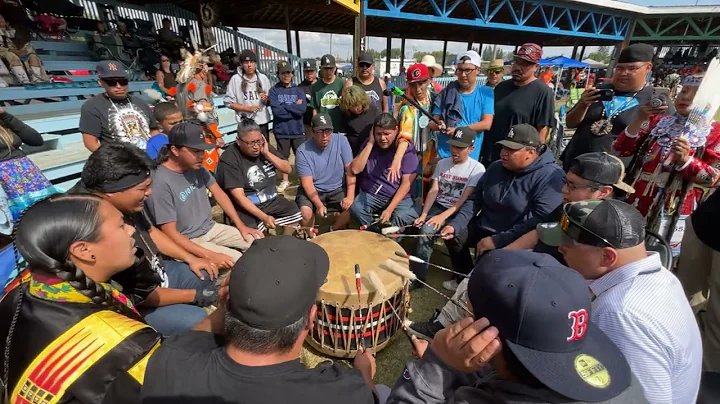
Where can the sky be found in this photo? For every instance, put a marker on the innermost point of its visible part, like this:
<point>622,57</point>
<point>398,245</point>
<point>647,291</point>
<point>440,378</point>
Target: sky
<point>316,44</point>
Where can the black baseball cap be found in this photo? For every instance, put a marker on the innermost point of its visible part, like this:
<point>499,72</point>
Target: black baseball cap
<point>365,57</point>
<point>463,137</point>
<point>542,311</point>
<point>321,121</point>
<point>327,61</point>
<point>596,222</point>
<point>108,69</point>
<point>284,67</point>
<point>186,134</point>
<point>276,281</point>
<point>601,168</point>
<point>310,64</point>
<point>248,56</point>
<point>521,135</point>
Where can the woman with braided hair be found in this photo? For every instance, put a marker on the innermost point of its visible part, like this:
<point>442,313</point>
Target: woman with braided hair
<point>67,333</point>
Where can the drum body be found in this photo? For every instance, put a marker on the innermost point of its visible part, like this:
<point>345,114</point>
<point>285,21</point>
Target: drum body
<point>346,319</point>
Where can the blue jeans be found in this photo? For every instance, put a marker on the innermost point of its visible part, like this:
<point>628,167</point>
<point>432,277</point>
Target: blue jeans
<point>424,248</point>
<point>365,205</point>
<point>177,318</point>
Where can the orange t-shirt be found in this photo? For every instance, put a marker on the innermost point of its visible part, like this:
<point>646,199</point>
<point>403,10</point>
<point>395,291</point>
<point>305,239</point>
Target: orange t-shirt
<point>546,76</point>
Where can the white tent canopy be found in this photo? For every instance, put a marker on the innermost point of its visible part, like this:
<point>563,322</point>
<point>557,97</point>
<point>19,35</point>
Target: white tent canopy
<point>594,64</point>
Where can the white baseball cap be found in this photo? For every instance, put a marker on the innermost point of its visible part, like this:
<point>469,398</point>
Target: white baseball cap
<point>469,57</point>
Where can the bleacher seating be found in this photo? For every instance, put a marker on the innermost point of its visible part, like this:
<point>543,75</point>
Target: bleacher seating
<point>54,109</point>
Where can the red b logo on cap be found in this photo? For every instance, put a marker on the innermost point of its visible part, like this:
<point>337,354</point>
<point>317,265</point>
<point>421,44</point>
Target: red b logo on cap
<point>579,326</point>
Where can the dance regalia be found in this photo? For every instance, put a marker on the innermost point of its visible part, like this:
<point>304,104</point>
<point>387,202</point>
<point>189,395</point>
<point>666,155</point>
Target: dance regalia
<point>414,129</point>
<point>655,185</point>
<point>66,349</point>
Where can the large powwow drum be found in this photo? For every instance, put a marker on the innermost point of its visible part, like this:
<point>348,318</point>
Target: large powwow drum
<point>343,321</point>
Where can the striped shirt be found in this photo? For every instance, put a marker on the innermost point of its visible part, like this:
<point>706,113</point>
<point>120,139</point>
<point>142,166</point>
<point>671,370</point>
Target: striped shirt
<point>642,307</point>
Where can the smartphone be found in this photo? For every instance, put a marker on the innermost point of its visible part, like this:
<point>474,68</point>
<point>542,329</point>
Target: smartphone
<point>660,96</point>
<point>606,91</point>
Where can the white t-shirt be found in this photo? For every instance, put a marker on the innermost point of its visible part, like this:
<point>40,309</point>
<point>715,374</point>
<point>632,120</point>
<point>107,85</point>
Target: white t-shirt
<point>236,95</point>
<point>453,178</point>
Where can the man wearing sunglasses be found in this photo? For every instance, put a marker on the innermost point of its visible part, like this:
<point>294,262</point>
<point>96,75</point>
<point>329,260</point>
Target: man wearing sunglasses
<point>495,73</point>
<point>366,80</point>
<point>524,99</point>
<point>115,115</point>
<point>639,304</point>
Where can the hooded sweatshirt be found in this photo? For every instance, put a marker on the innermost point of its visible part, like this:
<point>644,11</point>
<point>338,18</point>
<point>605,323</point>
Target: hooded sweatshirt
<point>249,95</point>
<point>513,203</point>
<point>429,381</point>
<point>287,113</point>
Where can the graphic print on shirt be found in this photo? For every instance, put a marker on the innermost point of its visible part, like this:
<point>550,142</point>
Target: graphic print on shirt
<point>261,180</point>
<point>451,188</point>
<point>287,98</point>
<point>374,97</point>
<point>128,124</point>
<point>330,100</point>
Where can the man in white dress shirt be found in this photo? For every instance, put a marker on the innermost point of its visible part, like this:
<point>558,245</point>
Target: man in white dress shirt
<point>639,304</point>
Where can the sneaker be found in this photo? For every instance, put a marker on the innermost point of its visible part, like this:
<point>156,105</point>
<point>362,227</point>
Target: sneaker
<point>283,186</point>
<point>451,285</point>
<point>426,329</point>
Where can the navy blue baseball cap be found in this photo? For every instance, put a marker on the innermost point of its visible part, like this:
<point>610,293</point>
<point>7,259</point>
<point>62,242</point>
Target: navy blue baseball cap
<point>542,312</point>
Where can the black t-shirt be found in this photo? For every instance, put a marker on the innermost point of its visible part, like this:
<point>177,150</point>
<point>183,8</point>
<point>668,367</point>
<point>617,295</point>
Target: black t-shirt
<point>584,141</point>
<point>256,176</point>
<point>706,221</point>
<point>306,86</point>
<point>129,120</point>
<point>148,272</point>
<point>358,128</point>
<point>194,368</point>
<point>532,104</point>
<point>541,247</point>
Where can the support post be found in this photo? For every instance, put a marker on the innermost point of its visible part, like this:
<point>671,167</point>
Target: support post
<point>297,42</point>
<point>480,46</point>
<point>469,46</point>
<point>444,57</point>
<point>582,53</point>
<point>359,40</point>
<point>574,52</point>
<point>388,50</point>
<point>288,34</point>
<point>402,54</point>
<point>201,28</point>
<point>618,48</point>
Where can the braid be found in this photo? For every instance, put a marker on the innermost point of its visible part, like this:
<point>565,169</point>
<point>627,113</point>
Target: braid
<point>89,288</point>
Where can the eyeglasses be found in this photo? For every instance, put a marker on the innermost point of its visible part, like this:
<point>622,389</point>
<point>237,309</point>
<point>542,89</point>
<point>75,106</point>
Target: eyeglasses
<point>323,132</point>
<point>115,82</point>
<point>628,69</point>
<point>464,72</point>
<point>574,187</point>
<point>255,143</point>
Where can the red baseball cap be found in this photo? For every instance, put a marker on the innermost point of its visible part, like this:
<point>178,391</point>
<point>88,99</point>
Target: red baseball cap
<point>531,52</point>
<point>417,72</point>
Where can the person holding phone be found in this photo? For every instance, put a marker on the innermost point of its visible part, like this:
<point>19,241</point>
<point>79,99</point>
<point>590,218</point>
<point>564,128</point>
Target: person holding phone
<point>604,111</point>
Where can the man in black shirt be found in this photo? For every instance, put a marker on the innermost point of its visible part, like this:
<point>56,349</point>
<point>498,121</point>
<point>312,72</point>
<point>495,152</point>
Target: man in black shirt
<point>310,74</point>
<point>699,273</point>
<point>246,172</point>
<point>524,99</point>
<point>270,310</point>
<point>597,122</point>
<point>115,115</point>
<point>170,294</point>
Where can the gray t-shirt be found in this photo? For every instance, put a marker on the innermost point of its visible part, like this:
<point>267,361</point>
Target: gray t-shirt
<point>182,198</point>
<point>129,120</point>
<point>454,178</point>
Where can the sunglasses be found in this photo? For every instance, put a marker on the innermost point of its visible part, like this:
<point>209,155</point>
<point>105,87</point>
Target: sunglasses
<point>364,65</point>
<point>575,233</point>
<point>115,82</point>
<point>495,71</point>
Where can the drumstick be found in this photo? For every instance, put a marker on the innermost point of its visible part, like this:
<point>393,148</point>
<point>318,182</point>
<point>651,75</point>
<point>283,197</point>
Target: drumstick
<point>415,235</point>
<point>380,290</point>
<point>405,273</point>
<point>416,259</point>
<point>393,229</point>
<point>358,282</point>
<point>310,229</point>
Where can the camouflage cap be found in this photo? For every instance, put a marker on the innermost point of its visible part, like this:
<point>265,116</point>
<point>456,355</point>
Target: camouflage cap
<point>596,222</point>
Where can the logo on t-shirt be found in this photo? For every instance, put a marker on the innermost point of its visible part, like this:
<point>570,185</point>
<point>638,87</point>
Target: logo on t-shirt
<point>127,124</point>
<point>187,192</point>
<point>330,100</point>
<point>373,95</point>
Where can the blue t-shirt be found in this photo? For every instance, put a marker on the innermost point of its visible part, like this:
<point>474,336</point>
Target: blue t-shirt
<point>155,143</point>
<point>476,104</point>
<point>326,166</point>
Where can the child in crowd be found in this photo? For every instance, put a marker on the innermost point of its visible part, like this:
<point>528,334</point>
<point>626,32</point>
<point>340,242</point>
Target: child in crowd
<point>454,180</point>
<point>167,114</point>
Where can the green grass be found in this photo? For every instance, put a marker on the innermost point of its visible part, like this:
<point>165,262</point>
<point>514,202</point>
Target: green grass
<point>391,360</point>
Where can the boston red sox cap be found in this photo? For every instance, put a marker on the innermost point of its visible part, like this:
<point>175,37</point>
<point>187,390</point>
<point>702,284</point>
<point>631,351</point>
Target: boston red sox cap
<point>276,281</point>
<point>542,312</point>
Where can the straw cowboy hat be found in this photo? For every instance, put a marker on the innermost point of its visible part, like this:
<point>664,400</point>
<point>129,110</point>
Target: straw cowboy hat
<point>497,63</point>
<point>429,61</point>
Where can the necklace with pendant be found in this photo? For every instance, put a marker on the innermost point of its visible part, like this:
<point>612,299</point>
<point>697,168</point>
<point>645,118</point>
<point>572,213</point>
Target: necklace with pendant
<point>604,126</point>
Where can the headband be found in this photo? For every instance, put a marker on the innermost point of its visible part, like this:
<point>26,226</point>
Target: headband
<point>123,183</point>
<point>693,80</point>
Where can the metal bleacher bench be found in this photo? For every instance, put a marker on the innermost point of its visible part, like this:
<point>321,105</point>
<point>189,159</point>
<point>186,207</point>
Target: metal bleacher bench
<point>54,111</point>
